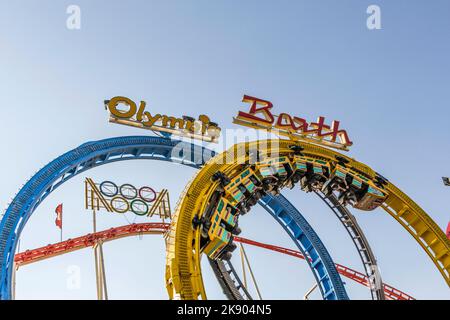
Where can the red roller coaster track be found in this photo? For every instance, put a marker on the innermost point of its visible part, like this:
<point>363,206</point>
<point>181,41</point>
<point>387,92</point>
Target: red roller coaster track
<point>89,240</point>
<point>390,292</point>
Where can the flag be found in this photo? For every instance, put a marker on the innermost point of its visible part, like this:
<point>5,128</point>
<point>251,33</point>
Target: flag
<point>448,231</point>
<point>59,212</point>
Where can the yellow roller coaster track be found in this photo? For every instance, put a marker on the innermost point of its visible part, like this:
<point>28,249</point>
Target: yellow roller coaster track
<point>183,272</point>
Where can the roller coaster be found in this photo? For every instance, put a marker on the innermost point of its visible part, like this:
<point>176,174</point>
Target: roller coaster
<point>205,222</point>
<point>243,185</point>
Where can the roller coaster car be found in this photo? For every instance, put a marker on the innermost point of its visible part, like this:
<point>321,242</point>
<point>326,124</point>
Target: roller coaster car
<point>244,190</point>
<point>222,178</point>
<point>220,242</point>
<point>372,199</point>
<point>312,173</point>
<point>355,189</point>
<point>218,230</point>
<point>274,172</point>
<point>229,216</point>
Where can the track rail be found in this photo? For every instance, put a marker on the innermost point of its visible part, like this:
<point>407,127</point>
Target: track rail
<point>89,240</point>
<point>303,235</point>
<point>389,291</point>
<point>365,252</point>
<point>97,153</point>
<point>183,276</point>
<point>234,288</point>
<point>229,280</point>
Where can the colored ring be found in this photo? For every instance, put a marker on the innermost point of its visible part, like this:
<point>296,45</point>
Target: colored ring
<point>137,212</point>
<point>124,201</point>
<point>106,184</point>
<point>123,194</point>
<point>148,189</point>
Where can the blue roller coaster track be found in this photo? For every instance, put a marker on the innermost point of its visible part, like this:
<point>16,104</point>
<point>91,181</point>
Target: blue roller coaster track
<point>94,154</point>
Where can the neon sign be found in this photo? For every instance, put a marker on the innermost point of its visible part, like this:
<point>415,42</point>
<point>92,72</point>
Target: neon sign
<point>295,128</point>
<point>125,111</point>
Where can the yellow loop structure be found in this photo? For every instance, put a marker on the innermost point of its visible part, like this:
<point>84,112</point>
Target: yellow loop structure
<point>183,271</point>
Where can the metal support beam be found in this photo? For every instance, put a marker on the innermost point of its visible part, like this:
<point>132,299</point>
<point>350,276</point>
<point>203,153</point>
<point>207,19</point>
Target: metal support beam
<point>309,292</point>
<point>251,272</point>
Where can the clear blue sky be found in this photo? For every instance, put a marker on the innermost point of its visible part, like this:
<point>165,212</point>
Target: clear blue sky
<point>390,89</point>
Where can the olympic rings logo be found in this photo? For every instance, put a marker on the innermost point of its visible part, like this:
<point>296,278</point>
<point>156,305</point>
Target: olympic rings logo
<point>128,198</point>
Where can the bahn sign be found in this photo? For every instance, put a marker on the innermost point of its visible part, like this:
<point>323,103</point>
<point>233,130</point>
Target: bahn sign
<point>295,128</point>
<point>125,111</point>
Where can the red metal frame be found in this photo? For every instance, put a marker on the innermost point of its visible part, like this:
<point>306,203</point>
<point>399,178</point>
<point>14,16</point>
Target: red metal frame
<point>89,240</point>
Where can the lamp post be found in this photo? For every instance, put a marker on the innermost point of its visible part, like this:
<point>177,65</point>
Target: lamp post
<point>446,181</point>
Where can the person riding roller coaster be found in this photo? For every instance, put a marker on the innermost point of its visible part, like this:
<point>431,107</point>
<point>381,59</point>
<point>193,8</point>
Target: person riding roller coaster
<point>354,189</point>
<point>235,196</point>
